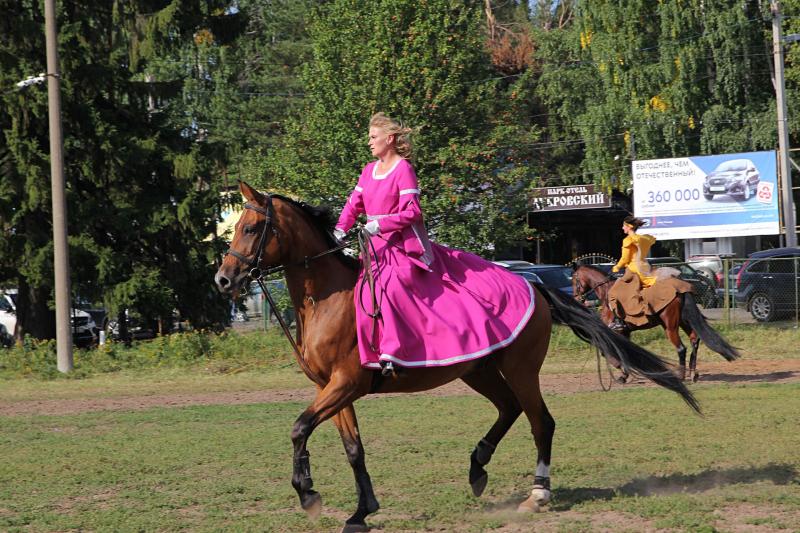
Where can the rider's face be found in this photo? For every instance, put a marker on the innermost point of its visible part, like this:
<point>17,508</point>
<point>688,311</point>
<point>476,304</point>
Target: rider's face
<point>380,143</point>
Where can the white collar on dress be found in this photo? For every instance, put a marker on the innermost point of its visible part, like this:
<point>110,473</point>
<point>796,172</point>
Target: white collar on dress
<point>377,176</point>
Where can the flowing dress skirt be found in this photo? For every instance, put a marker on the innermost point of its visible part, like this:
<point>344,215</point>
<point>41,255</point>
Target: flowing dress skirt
<point>463,308</point>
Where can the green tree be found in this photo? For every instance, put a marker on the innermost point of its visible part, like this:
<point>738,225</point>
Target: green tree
<point>426,63</point>
<point>139,186</point>
<point>646,80</point>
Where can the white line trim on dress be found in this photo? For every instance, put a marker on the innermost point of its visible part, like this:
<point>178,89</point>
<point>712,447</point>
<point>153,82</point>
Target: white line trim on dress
<point>473,355</point>
<point>409,191</point>
<point>359,189</point>
<point>377,176</point>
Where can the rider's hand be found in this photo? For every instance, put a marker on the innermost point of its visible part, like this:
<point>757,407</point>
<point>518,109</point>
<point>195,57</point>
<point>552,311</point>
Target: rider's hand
<point>372,227</point>
<point>339,235</point>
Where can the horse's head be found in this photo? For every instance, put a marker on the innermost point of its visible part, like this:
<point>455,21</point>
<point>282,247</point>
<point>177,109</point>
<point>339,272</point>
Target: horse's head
<point>579,285</point>
<point>585,279</point>
<point>255,243</point>
<point>275,230</point>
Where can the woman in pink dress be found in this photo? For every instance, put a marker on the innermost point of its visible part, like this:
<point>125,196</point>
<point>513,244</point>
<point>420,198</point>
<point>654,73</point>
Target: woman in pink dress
<point>438,306</point>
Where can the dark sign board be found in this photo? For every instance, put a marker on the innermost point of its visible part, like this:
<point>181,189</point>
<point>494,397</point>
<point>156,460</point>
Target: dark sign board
<point>568,197</point>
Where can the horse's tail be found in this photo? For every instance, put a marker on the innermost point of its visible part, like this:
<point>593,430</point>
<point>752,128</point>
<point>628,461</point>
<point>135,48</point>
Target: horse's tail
<point>692,315</point>
<point>588,326</point>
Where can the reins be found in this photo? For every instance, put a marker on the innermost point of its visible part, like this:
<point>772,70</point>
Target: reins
<point>582,296</point>
<point>255,272</point>
<point>582,299</point>
<point>367,254</point>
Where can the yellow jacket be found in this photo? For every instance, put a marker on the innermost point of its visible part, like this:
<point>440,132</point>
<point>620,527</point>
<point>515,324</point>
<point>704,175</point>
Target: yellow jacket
<point>635,248</point>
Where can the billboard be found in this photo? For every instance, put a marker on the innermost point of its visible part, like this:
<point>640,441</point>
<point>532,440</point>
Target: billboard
<point>567,197</point>
<point>727,195</point>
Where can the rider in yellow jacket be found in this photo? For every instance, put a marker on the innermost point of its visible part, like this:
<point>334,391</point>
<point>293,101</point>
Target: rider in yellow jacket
<point>635,248</point>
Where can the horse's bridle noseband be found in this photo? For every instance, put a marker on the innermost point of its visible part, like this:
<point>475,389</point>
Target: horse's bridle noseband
<point>254,265</point>
<point>582,296</point>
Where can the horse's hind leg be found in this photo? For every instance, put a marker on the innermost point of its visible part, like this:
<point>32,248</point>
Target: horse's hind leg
<point>670,320</point>
<point>522,375</point>
<point>694,339</point>
<point>488,382</point>
<point>346,423</point>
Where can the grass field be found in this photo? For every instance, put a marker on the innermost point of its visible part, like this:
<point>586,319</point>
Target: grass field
<point>629,460</point>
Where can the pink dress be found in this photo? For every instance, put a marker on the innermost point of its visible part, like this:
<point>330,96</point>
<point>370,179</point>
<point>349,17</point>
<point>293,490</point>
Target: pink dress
<point>439,306</point>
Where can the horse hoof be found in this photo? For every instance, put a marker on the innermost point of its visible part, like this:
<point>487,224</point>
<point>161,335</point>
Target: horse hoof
<point>541,495</point>
<point>529,506</point>
<point>622,380</point>
<point>479,485</point>
<point>312,505</point>
<point>354,528</point>
<point>695,378</point>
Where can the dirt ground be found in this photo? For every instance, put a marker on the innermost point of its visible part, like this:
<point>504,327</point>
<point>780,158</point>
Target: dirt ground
<point>755,371</point>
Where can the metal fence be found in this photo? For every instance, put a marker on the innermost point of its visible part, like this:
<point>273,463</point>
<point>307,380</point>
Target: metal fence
<point>756,290</point>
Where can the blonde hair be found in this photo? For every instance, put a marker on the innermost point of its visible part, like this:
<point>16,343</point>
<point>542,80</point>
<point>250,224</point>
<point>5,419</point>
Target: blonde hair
<point>390,126</point>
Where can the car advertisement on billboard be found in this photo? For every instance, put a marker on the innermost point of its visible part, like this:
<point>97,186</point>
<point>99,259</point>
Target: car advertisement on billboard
<point>708,196</point>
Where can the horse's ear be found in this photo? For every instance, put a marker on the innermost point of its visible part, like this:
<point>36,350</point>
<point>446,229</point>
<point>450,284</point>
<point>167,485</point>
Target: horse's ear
<point>574,266</point>
<point>250,193</point>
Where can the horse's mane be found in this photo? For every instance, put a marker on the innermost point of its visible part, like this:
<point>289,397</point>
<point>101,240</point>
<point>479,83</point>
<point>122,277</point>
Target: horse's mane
<point>595,269</point>
<point>322,218</point>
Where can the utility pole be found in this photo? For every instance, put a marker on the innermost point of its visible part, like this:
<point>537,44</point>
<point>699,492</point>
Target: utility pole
<point>783,129</point>
<point>60,247</point>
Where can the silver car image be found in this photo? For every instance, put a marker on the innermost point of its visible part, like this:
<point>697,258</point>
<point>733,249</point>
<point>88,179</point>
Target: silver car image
<point>737,177</point>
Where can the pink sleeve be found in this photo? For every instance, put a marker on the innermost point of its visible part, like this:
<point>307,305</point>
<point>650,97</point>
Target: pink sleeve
<point>409,210</point>
<point>353,207</point>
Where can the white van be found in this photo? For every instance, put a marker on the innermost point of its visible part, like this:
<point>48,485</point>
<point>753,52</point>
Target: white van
<point>83,326</point>
<point>8,319</point>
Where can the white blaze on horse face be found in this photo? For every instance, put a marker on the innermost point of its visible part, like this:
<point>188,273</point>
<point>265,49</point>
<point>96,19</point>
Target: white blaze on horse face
<point>542,469</point>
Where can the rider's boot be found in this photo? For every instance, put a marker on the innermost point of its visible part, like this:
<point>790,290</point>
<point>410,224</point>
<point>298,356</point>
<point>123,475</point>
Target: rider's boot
<point>618,324</point>
<point>387,368</point>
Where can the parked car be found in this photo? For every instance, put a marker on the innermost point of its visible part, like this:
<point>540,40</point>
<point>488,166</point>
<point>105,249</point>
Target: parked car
<point>767,283</point>
<point>553,276</point>
<point>705,288</point>
<point>522,268</point>
<point>84,330</point>
<point>737,177</point>
<point>138,327</point>
<point>253,301</point>
<point>733,273</point>
<point>6,339</point>
<point>710,265</point>
<point>8,313</point>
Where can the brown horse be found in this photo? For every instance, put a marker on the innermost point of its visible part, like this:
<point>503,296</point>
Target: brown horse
<point>682,312</point>
<point>275,231</point>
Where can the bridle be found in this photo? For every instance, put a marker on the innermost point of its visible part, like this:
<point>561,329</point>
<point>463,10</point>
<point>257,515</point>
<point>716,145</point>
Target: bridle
<point>253,268</point>
<point>254,271</point>
<point>582,296</point>
<point>253,265</point>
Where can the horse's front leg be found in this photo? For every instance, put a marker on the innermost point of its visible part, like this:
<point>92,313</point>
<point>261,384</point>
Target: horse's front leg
<point>347,424</point>
<point>336,395</point>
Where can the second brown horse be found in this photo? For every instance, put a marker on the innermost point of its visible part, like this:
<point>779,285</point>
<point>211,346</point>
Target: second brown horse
<point>680,313</point>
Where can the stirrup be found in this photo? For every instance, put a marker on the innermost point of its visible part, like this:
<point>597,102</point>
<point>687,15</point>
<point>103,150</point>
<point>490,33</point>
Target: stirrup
<point>617,325</point>
<point>387,368</point>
